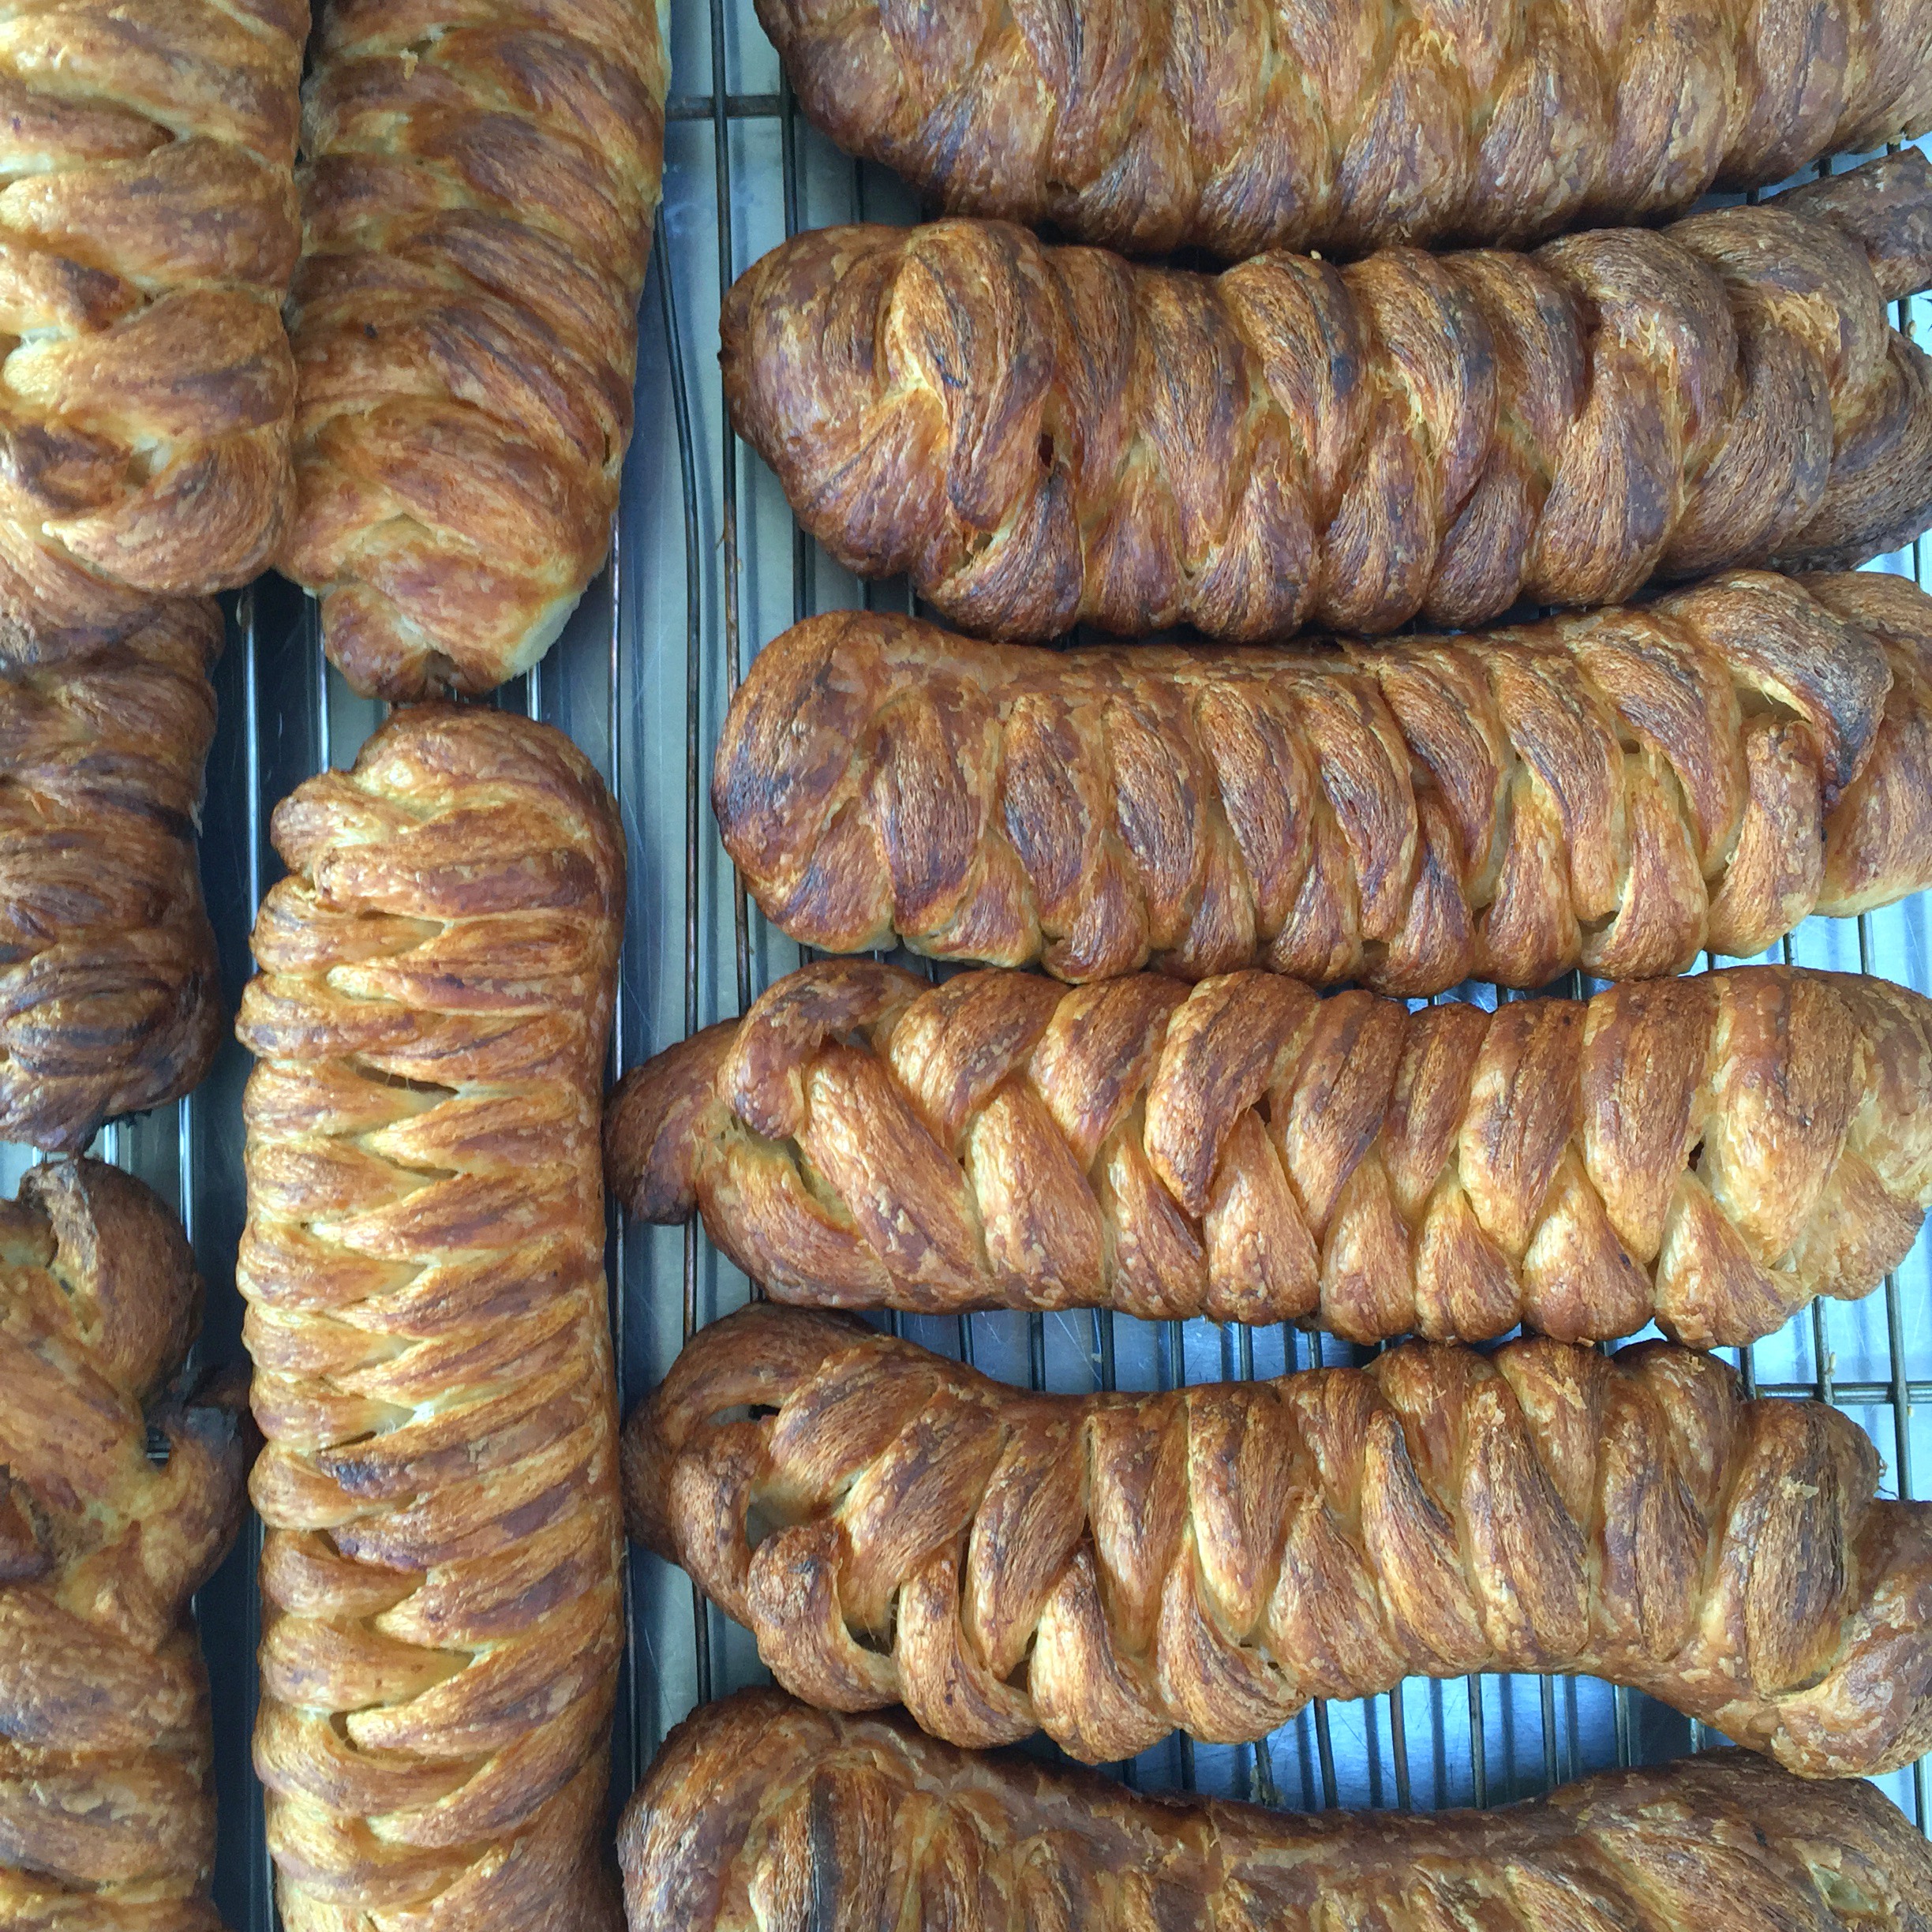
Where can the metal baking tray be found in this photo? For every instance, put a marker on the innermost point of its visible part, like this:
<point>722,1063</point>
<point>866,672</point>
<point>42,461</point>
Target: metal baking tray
<point>707,565</point>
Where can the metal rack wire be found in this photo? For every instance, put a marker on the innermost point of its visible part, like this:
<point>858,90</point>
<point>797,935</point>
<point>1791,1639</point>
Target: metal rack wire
<point>707,565</point>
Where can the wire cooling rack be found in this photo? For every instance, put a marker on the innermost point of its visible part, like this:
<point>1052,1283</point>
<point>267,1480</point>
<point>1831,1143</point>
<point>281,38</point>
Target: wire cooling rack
<point>707,565</point>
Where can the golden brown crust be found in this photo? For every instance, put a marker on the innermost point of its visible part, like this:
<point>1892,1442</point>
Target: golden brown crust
<point>423,1262</point>
<point>1709,1153</point>
<point>1618,791</point>
<point>1042,436</point>
<point>106,1807</point>
<point>110,989</point>
<point>761,1812</point>
<point>893,1528</point>
<point>1148,125</point>
<point>147,238</point>
<point>477,189</point>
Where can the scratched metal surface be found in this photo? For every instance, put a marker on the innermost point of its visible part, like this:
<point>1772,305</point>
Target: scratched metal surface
<point>640,681</point>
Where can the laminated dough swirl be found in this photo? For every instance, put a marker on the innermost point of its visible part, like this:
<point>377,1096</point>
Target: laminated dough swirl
<point>424,1265</point>
<point>1045,436</point>
<point>895,1529</point>
<point>1709,1153</point>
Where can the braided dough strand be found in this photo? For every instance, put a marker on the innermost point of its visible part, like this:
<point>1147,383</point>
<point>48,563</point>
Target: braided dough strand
<point>894,1528</point>
<point>106,1802</point>
<point>760,1812</point>
<point>1243,125</point>
<point>1042,436</point>
<point>1619,791</point>
<point>1710,1152</point>
<point>148,232</point>
<point>478,186</point>
<point>109,988</point>
<point>423,1262</point>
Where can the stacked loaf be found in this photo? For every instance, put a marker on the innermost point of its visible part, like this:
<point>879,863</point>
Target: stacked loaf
<point>148,230</point>
<point>894,1528</point>
<point>1707,1153</point>
<point>1043,437</point>
<point>1618,790</point>
<point>1196,839</point>
<point>110,994</point>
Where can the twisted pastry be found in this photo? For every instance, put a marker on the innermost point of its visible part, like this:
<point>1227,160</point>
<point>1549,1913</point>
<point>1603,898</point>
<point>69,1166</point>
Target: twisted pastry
<point>894,1528</point>
<point>1041,437</point>
<point>148,233</point>
<point>423,1262</point>
<point>107,1808</point>
<point>760,1812</point>
<point>479,181</point>
<point>1148,126</point>
<point>1708,1153</point>
<point>109,988</point>
<point>1410,816</point>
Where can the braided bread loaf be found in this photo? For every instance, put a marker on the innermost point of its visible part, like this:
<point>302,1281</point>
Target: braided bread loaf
<point>148,233</point>
<point>107,1811</point>
<point>893,1528</point>
<point>1709,1153</point>
<point>1044,436</point>
<point>423,1262</point>
<point>1147,126</point>
<point>109,988</point>
<point>477,196</point>
<point>760,1812</point>
<point>1410,816</point>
